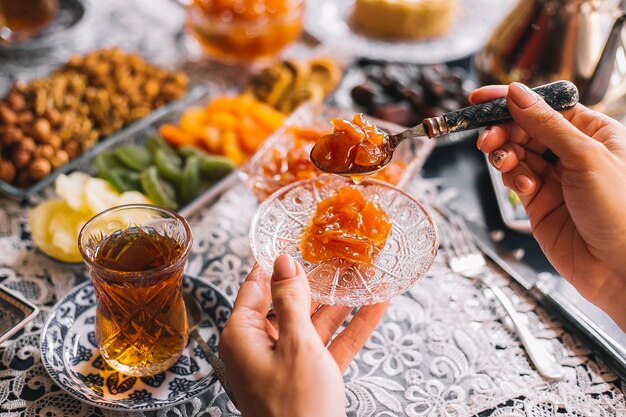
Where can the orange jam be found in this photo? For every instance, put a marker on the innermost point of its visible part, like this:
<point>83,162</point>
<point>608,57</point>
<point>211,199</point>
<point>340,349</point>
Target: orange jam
<point>358,142</point>
<point>287,165</point>
<point>345,226</point>
<point>245,30</point>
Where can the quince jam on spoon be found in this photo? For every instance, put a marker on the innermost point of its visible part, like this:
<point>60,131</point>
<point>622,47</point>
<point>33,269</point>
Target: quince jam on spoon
<point>356,147</point>
<point>345,226</point>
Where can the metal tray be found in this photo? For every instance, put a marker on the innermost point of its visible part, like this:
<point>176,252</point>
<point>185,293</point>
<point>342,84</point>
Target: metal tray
<point>138,133</point>
<point>160,115</point>
<point>15,312</point>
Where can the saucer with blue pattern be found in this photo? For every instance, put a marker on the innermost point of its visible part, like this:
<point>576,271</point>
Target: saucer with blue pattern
<point>72,358</point>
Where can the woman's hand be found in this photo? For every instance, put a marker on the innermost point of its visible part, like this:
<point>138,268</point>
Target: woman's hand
<point>281,366</point>
<point>577,205</point>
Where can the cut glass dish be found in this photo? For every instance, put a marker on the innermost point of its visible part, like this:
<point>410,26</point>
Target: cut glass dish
<point>408,253</point>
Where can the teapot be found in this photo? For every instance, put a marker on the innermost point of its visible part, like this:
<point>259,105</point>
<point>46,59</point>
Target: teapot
<point>542,41</point>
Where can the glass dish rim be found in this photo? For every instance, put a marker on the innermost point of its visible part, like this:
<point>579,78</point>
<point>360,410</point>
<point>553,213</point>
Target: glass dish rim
<point>275,195</point>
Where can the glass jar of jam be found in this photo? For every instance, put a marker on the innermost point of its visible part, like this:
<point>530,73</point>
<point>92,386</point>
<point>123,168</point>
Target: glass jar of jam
<point>244,31</point>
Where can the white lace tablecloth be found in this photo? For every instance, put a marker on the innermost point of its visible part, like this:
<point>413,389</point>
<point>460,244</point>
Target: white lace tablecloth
<point>442,349</point>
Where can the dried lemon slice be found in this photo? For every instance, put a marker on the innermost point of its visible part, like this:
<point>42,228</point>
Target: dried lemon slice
<point>100,195</point>
<point>71,188</point>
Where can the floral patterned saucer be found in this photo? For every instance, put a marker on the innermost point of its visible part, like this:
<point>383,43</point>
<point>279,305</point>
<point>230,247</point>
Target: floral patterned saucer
<point>72,358</point>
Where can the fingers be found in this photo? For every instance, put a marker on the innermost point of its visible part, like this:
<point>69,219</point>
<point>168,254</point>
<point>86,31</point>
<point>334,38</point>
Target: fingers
<point>523,180</point>
<point>254,293</point>
<point>488,92</point>
<point>348,343</point>
<point>328,319</point>
<point>291,298</point>
<point>271,317</point>
<point>548,127</point>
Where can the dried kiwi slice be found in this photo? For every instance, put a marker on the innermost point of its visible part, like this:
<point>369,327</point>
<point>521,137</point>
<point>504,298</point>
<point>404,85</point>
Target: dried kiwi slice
<point>169,165</point>
<point>134,157</point>
<point>154,143</point>
<point>106,161</point>
<point>212,167</point>
<point>161,192</point>
<point>190,182</point>
<point>123,179</point>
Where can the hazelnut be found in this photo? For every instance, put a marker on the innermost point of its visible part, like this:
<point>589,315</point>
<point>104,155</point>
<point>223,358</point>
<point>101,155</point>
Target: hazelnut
<point>25,117</point>
<point>55,141</point>
<point>46,151</point>
<point>7,171</point>
<point>72,148</point>
<point>39,168</point>
<point>7,115</point>
<point>21,158</point>
<point>12,135</point>
<point>16,101</point>
<point>27,144</point>
<point>53,116</point>
<point>41,130</point>
<point>60,158</point>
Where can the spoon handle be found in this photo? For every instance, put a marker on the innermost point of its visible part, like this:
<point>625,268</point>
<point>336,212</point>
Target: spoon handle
<point>217,365</point>
<point>559,95</point>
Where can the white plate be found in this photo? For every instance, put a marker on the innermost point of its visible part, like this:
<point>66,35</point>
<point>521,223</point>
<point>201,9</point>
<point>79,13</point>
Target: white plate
<point>475,20</point>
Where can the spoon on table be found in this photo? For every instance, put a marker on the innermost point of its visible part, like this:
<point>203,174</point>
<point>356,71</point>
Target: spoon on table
<point>194,318</point>
<point>560,95</point>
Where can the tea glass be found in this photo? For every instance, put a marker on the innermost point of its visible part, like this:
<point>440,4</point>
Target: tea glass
<point>22,19</point>
<point>135,255</point>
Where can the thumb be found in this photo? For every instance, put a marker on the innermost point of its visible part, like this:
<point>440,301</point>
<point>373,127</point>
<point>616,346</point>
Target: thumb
<point>547,126</point>
<point>291,297</point>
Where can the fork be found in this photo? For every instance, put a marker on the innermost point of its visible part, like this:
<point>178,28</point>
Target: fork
<point>466,259</point>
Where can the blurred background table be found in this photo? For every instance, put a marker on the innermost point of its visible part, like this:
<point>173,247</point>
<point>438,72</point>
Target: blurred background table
<point>442,349</point>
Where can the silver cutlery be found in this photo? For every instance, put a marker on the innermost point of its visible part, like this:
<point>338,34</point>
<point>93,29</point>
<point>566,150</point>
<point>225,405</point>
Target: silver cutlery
<point>466,259</point>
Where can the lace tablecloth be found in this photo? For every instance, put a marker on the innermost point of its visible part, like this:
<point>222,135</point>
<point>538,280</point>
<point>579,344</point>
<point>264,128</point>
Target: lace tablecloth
<point>442,349</point>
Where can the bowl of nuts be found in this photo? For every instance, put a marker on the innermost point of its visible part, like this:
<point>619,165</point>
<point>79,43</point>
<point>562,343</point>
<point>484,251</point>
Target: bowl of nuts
<point>48,125</point>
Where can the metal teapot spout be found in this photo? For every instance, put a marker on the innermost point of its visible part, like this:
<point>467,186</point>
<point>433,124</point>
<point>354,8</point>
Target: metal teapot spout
<point>597,86</point>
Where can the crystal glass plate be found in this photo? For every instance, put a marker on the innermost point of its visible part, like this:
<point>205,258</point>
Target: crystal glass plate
<point>409,252</point>
<point>329,22</point>
<point>72,359</point>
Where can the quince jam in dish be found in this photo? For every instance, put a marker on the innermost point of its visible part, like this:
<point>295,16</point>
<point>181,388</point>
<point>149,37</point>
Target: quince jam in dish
<point>357,143</point>
<point>345,226</point>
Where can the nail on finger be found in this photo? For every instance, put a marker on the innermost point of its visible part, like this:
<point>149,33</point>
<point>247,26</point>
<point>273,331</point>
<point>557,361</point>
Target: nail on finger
<point>498,157</point>
<point>523,183</point>
<point>482,137</point>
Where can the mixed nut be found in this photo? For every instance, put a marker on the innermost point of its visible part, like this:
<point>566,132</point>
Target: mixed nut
<point>49,121</point>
